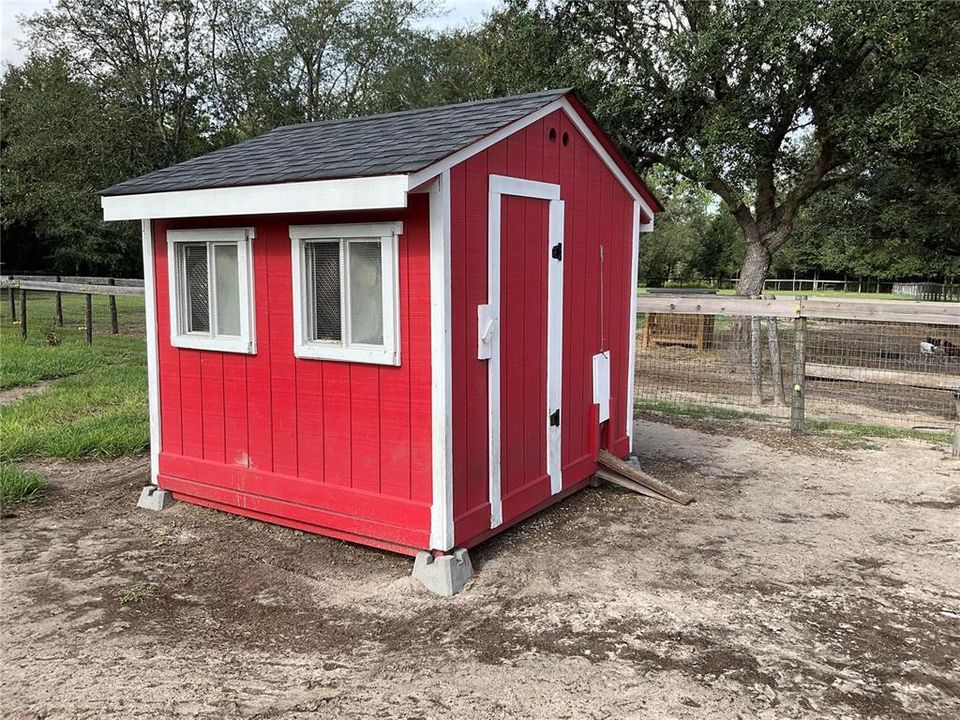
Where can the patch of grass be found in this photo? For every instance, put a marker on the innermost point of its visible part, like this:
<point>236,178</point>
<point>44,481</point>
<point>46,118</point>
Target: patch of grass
<point>665,407</point>
<point>96,413</point>
<point>137,593</point>
<point>98,404</point>
<point>860,432</point>
<point>20,486</point>
<point>52,352</point>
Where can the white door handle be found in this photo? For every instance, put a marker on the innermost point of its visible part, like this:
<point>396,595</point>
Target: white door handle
<point>486,327</point>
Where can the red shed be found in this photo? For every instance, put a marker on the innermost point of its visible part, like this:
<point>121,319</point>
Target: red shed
<point>409,330</point>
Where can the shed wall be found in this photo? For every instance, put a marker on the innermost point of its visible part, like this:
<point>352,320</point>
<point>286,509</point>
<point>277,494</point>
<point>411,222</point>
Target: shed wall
<point>342,448</point>
<point>596,315</point>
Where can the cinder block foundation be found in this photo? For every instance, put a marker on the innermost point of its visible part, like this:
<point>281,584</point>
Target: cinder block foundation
<point>445,575</point>
<point>153,498</point>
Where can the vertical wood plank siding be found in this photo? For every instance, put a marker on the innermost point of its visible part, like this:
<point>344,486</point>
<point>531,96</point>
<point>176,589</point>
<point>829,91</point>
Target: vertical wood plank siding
<point>340,447</point>
<point>598,211</point>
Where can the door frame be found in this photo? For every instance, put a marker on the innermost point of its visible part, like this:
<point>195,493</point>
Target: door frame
<point>488,341</point>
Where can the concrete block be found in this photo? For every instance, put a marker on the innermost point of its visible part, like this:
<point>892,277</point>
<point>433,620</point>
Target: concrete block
<point>153,498</point>
<point>445,575</point>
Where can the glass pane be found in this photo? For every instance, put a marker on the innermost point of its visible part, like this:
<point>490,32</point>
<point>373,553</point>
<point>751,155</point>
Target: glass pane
<point>227,289</point>
<point>323,289</point>
<point>366,293</point>
<point>196,286</point>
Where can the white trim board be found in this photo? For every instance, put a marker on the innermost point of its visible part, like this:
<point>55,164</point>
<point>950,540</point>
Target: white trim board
<point>638,228</point>
<point>488,318</point>
<point>153,368</point>
<point>426,174</point>
<point>365,193</point>
<point>441,366</point>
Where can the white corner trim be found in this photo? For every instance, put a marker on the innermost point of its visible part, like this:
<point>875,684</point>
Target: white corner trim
<point>441,375</point>
<point>499,186</point>
<point>366,193</point>
<point>246,343</point>
<point>421,176</point>
<point>153,369</point>
<point>632,325</point>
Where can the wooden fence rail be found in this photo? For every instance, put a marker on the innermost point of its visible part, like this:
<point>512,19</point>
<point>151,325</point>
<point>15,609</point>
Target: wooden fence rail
<point>86,286</point>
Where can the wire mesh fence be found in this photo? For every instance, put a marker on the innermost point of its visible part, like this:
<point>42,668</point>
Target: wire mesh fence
<point>899,373</point>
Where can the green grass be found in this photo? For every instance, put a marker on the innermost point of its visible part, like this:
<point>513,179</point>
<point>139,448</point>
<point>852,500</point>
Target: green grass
<point>848,434</point>
<point>137,593</point>
<point>19,486</point>
<point>856,431</point>
<point>829,294</point>
<point>700,412</point>
<point>98,404</point>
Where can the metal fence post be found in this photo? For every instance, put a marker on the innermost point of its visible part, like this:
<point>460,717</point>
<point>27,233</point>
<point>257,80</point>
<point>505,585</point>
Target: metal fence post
<point>58,307</point>
<point>799,375</point>
<point>956,440</point>
<point>114,323</point>
<point>88,317</point>
<point>23,314</point>
<point>13,305</point>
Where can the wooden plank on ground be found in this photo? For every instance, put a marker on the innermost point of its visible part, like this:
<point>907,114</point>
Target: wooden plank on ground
<point>634,476</point>
<point>934,381</point>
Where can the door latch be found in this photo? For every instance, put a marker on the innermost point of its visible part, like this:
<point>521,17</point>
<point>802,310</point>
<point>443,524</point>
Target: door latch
<point>557,251</point>
<point>555,418</point>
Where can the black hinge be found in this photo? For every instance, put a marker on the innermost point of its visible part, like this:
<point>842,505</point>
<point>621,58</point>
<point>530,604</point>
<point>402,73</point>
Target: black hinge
<point>555,418</point>
<point>557,251</point>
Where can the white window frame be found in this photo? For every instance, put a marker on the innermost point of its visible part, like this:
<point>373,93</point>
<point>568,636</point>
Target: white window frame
<point>342,350</point>
<point>179,336</point>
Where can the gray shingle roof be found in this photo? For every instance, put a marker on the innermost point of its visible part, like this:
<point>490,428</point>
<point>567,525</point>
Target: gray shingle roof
<point>400,142</point>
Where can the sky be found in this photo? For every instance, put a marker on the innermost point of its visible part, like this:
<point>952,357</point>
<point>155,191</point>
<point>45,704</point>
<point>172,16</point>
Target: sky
<point>458,12</point>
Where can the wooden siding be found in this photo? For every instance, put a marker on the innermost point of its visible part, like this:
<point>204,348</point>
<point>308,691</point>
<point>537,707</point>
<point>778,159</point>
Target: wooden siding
<point>342,448</point>
<point>598,211</point>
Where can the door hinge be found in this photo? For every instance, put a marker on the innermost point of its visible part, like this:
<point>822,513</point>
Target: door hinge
<point>555,418</point>
<point>557,251</point>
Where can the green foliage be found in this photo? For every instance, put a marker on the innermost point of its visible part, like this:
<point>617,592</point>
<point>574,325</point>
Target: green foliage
<point>20,486</point>
<point>766,106</point>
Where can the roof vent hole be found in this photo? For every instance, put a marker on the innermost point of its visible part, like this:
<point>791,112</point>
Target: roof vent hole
<point>553,134</point>
<point>565,139</point>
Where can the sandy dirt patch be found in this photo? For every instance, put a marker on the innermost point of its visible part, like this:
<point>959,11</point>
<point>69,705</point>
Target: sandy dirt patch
<point>805,582</point>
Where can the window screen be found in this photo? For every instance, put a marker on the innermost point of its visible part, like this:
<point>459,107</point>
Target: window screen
<point>323,276</point>
<point>196,287</point>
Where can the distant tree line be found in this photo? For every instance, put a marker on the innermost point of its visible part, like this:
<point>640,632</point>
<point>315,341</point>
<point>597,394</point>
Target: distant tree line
<point>812,135</point>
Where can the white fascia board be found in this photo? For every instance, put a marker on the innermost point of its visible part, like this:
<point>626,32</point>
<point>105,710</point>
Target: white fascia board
<point>153,364</point>
<point>428,173</point>
<point>367,193</point>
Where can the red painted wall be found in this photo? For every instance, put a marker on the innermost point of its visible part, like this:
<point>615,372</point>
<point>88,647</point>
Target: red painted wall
<point>342,448</point>
<point>598,211</point>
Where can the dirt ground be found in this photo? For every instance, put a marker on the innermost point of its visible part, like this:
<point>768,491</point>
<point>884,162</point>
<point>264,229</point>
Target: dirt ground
<point>806,581</point>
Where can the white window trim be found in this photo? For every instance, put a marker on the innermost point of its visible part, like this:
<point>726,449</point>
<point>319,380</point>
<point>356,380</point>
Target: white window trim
<point>246,343</point>
<point>388,234</point>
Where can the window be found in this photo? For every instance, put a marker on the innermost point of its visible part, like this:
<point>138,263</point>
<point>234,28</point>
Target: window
<point>345,292</point>
<point>211,281</point>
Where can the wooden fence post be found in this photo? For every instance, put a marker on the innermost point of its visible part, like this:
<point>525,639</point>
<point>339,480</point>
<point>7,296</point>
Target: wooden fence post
<point>956,440</point>
<point>756,360</point>
<point>799,375</point>
<point>58,307</point>
<point>114,323</point>
<point>23,314</point>
<point>88,317</point>
<point>776,368</point>
<point>13,304</point>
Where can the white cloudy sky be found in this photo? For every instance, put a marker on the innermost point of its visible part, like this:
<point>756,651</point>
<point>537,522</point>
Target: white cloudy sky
<point>458,12</point>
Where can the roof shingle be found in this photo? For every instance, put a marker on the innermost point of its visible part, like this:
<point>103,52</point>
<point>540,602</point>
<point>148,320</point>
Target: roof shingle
<point>394,143</point>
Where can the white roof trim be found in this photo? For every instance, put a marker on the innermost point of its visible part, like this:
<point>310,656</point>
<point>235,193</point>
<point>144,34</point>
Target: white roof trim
<point>428,173</point>
<point>365,193</point>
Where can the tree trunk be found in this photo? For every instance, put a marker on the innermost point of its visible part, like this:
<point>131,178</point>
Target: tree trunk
<point>753,272</point>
